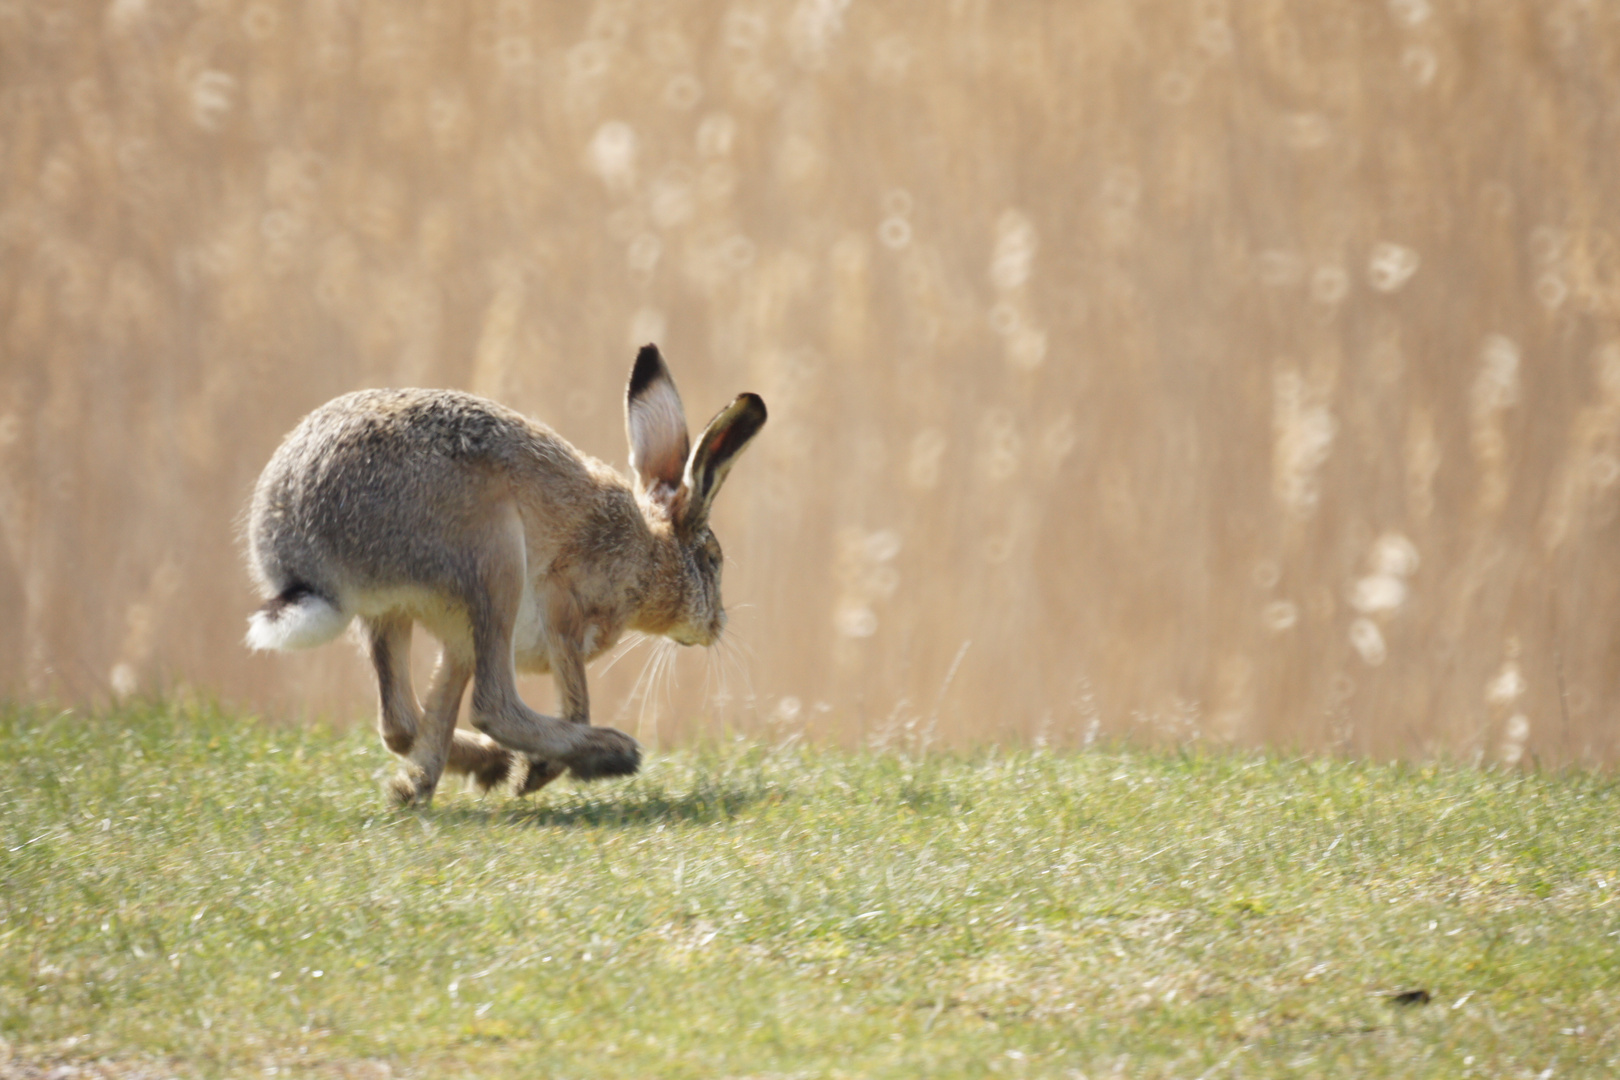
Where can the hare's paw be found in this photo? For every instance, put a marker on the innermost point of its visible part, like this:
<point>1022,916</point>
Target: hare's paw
<point>480,757</point>
<point>410,787</point>
<point>541,773</point>
<point>494,773</point>
<point>605,752</point>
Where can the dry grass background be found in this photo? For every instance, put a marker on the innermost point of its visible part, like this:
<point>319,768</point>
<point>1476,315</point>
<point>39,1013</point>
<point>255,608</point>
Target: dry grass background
<point>1245,371</point>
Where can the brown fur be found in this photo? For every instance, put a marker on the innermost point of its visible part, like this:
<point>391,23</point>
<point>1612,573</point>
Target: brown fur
<point>511,547</point>
<point>540,774</point>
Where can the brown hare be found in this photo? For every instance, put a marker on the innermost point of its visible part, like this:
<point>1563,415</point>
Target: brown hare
<point>511,547</point>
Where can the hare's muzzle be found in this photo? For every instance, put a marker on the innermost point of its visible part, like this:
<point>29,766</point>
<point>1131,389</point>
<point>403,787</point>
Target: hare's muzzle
<point>687,634</point>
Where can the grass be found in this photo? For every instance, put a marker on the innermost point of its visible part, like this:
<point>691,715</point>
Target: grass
<point>188,892</point>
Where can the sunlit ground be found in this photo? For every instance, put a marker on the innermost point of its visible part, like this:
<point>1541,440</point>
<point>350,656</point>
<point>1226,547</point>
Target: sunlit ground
<point>189,892</point>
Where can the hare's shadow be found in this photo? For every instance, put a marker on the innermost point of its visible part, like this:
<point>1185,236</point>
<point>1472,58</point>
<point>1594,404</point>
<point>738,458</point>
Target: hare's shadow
<point>708,805</point>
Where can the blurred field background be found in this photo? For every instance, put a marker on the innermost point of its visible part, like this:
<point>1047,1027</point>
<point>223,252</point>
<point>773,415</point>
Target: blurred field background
<point>1246,372</point>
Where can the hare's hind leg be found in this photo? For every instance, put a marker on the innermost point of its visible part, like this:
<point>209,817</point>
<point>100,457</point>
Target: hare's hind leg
<point>480,757</point>
<point>470,753</point>
<point>492,594</point>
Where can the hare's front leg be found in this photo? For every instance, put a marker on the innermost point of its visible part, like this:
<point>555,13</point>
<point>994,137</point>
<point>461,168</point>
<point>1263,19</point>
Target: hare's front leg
<point>427,737</point>
<point>441,745</point>
<point>425,758</point>
<point>389,638</point>
<point>422,741</point>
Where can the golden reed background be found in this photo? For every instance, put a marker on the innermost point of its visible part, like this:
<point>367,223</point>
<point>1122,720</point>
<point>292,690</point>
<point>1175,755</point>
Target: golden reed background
<point>1245,371</point>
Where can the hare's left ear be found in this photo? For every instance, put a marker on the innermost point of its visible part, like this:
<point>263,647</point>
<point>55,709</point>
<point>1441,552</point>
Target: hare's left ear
<point>655,424</point>
<point>716,450</point>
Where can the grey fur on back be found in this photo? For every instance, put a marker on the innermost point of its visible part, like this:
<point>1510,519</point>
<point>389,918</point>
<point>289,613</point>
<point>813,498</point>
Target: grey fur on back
<point>371,489</point>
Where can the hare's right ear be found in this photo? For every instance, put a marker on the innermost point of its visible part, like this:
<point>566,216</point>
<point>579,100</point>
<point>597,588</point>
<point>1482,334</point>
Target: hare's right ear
<point>717,448</point>
<point>656,426</point>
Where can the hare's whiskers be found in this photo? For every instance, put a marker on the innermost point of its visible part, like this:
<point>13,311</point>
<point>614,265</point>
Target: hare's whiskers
<point>634,641</point>
<point>732,659</point>
<point>641,691</point>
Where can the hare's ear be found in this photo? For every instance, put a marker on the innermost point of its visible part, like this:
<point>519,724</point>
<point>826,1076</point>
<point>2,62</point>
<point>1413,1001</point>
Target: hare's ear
<point>655,424</point>
<point>717,448</point>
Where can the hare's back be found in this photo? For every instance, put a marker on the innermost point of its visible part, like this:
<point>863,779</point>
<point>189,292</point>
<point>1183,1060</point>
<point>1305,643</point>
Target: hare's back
<point>428,425</point>
<point>381,480</point>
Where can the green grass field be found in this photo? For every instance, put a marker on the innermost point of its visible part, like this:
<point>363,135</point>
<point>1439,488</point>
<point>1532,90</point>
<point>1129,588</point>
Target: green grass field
<point>187,892</point>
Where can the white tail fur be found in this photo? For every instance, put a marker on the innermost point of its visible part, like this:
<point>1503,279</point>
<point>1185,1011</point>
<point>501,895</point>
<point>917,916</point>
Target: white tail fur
<point>302,624</point>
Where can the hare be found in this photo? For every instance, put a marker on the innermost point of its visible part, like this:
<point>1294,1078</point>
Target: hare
<point>511,547</point>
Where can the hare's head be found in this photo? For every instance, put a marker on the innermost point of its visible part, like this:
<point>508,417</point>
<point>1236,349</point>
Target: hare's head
<point>676,483</point>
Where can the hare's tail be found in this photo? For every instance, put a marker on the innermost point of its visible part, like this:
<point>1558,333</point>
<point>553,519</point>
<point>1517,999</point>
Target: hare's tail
<point>296,618</point>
